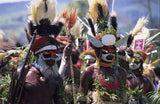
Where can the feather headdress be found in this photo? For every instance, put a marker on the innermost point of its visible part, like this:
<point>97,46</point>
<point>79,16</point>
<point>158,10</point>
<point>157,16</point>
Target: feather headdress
<point>140,24</point>
<point>69,16</point>
<point>138,30</point>
<point>98,9</point>
<point>43,9</point>
<point>100,14</point>
<point>43,13</point>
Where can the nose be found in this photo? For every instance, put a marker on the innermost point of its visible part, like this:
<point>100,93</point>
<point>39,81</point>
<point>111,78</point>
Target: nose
<point>53,54</point>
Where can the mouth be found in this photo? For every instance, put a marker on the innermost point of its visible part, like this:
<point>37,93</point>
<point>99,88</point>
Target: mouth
<point>108,57</point>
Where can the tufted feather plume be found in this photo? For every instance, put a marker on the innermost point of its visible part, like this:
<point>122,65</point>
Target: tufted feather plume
<point>70,16</point>
<point>114,20</point>
<point>113,16</point>
<point>98,9</point>
<point>140,24</point>
<point>43,10</point>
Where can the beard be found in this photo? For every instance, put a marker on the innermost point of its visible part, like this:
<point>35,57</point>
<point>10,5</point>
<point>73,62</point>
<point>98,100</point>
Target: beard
<point>48,68</point>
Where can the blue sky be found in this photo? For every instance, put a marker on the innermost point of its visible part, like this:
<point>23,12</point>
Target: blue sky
<point>7,1</point>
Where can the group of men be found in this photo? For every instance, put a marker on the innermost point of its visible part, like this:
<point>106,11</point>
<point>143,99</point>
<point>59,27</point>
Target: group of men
<point>105,73</point>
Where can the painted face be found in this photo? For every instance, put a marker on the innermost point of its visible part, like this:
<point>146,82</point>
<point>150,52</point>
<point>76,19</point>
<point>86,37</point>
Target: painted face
<point>50,56</point>
<point>135,64</point>
<point>108,54</point>
<point>89,60</point>
<point>47,67</point>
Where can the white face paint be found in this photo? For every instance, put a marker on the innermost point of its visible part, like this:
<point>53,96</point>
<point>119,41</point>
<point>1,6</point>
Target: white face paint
<point>89,60</point>
<point>134,66</point>
<point>56,58</point>
<point>108,57</point>
<point>46,70</point>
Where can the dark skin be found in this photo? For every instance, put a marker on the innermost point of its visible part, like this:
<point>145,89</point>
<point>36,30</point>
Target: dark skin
<point>132,81</point>
<point>67,53</point>
<point>91,73</point>
<point>36,88</point>
<point>87,77</point>
<point>139,80</point>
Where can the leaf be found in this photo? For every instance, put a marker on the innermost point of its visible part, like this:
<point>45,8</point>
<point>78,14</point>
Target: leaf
<point>95,42</point>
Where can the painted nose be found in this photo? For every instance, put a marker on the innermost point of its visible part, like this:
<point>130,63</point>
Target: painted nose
<point>53,54</point>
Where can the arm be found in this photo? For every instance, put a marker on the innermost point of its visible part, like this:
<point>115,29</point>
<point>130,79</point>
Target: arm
<point>65,60</point>
<point>85,81</point>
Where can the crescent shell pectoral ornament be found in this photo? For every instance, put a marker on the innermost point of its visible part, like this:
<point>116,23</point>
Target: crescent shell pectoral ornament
<point>95,42</point>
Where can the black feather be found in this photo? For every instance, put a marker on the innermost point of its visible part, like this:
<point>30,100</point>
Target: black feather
<point>45,29</point>
<point>91,26</point>
<point>129,41</point>
<point>114,22</point>
<point>100,14</point>
<point>31,27</point>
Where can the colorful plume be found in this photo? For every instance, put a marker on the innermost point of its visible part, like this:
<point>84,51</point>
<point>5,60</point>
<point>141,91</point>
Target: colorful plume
<point>76,29</point>
<point>70,17</point>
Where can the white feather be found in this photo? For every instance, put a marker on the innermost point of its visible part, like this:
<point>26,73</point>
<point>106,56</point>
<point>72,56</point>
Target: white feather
<point>37,8</point>
<point>140,24</point>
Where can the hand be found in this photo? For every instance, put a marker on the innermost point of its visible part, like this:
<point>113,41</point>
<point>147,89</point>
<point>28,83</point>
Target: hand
<point>67,51</point>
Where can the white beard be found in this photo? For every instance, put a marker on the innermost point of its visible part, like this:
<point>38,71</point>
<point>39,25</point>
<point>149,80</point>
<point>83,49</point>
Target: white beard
<point>46,70</point>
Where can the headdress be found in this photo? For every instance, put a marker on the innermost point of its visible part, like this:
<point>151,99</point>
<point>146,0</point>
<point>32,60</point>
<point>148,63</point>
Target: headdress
<point>138,37</point>
<point>45,43</point>
<point>106,36</point>
<point>140,54</point>
<point>43,13</point>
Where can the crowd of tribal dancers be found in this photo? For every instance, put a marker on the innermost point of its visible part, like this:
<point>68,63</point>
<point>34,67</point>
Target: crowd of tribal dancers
<point>62,64</point>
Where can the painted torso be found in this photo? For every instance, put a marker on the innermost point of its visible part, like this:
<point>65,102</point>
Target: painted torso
<point>106,84</point>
